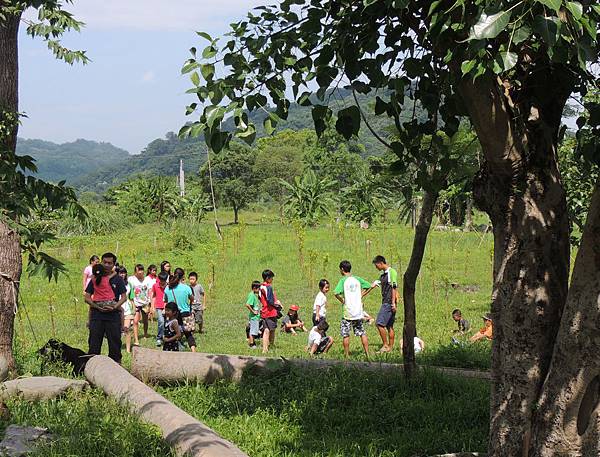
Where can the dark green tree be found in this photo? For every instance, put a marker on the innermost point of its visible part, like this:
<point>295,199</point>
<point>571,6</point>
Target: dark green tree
<point>23,196</point>
<point>233,178</point>
<point>509,66</point>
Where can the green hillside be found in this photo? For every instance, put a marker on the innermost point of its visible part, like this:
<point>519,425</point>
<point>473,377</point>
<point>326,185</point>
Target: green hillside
<point>69,161</point>
<point>94,167</point>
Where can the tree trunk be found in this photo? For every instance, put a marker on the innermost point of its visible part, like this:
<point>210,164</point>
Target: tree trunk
<point>567,421</point>
<point>469,214</point>
<point>410,281</point>
<point>457,211</point>
<point>520,189</point>
<point>163,367</point>
<point>188,436</point>
<point>235,214</point>
<point>10,247</point>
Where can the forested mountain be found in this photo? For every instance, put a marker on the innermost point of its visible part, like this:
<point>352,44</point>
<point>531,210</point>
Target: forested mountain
<point>69,161</point>
<point>95,167</point>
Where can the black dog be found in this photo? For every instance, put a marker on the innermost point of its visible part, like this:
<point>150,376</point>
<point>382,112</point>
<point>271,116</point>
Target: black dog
<point>57,351</point>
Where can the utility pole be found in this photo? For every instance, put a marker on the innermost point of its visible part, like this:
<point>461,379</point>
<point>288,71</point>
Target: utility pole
<point>181,179</point>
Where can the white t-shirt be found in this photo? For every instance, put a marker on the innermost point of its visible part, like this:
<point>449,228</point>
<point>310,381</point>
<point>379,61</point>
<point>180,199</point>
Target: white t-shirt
<point>417,342</point>
<point>314,337</point>
<point>351,287</point>
<point>140,290</point>
<point>321,301</point>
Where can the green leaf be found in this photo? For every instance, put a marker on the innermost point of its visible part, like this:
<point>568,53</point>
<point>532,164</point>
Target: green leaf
<point>207,70</point>
<point>249,135</point>
<point>547,28</point>
<point>195,79</point>
<point>214,114</point>
<point>509,60</point>
<point>205,36</point>
<point>380,106</point>
<point>348,122</point>
<point>553,4</point>
<point>596,8</point>
<point>467,66</point>
<point>576,9</point>
<point>209,52</point>
<point>489,26</point>
<point>521,34</point>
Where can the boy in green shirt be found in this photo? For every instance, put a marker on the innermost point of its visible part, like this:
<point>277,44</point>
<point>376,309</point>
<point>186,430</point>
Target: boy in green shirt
<point>253,306</point>
<point>389,300</point>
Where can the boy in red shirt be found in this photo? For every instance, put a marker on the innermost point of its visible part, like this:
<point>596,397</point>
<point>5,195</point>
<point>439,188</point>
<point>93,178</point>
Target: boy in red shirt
<point>271,309</point>
<point>157,300</point>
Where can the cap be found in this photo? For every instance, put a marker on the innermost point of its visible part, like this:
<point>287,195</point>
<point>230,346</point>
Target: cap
<point>294,307</point>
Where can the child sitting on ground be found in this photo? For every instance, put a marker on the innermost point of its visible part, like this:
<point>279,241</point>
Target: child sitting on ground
<point>253,306</point>
<point>463,324</point>
<point>172,328</point>
<point>487,331</point>
<point>318,343</point>
<point>292,322</point>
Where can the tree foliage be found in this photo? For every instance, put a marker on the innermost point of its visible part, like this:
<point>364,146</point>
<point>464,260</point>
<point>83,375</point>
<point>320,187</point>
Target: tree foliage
<point>309,199</point>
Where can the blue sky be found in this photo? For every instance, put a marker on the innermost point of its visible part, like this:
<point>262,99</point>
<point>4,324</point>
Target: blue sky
<point>132,91</point>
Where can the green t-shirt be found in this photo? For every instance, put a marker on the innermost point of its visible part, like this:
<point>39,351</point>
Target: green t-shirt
<point>252,300</point>
<point>351,288</point>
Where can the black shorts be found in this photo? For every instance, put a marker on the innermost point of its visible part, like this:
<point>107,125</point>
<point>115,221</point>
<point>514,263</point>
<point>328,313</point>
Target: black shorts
<point>323,344</point>
<point>270,323</point>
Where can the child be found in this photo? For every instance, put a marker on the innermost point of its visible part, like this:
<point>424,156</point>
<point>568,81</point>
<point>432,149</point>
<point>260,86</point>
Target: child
<point>157,301</point>
<point>318,343</point>
<point>487,331</point>
<point>87,271</point>
<point>463,324</point>
<point>103,296</point>
<point>320,304</point>
<point>270,310</point>
<point>181,294</point>
<point>128,313</point>
<point>140,294</point>
<point>292,322</point>
<point>172,329</point>
<point>419,345</point>
<point>253,305</point>
<point>197,301</point>
<point>349,291</point>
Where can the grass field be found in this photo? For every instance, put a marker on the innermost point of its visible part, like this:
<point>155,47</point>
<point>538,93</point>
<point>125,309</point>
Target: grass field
<point>295,413</point>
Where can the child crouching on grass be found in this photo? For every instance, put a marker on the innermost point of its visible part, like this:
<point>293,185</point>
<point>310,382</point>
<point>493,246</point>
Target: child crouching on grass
<point>172,329</point>
<point>253,306</point>
<point>292,322</point>
<point>318,343</point>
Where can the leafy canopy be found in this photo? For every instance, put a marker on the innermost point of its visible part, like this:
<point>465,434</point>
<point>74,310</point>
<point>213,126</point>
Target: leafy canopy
<point>404,50</point>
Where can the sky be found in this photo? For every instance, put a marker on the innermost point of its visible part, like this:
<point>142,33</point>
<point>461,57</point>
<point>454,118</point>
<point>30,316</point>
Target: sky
<point>133,91</point>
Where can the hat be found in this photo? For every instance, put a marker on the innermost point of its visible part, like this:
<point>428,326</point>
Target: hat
<point>487,317</point>
<point>294,307</point>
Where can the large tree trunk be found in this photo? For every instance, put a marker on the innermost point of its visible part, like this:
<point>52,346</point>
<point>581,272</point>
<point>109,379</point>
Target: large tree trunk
<point>10,248</point>
<point>567,421</point>
<point>410,281</point>
<point>519,187</point>
<point>155,366</point>
<point>188,436</point>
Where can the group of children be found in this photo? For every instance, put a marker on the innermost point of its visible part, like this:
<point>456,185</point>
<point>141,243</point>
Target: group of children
<point>464,327</point>
<point>265,309</point>
<point>178,307</point>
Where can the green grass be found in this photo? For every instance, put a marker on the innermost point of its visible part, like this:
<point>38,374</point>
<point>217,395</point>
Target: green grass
<point>343,413</point>
<point>299,261</point>
<point>292,413</point>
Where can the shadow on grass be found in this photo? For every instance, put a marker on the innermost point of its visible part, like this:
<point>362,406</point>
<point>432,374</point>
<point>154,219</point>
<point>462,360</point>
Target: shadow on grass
<point>476,356</point>
<point>339,412</point>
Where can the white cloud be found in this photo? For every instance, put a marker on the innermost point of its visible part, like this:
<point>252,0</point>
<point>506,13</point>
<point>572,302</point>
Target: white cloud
<point>161,14</point>
<point>148,77</point>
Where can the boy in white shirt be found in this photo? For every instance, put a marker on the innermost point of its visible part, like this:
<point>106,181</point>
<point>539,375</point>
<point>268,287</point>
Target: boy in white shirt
<point>320,305</point>
<point>349,291</point>
<point>318,343</point>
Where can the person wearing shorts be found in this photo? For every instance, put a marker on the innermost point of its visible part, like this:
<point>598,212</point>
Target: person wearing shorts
<point>389,299</point>
<point>270,310</point>
<point>349,291</point>
<point>253,306</point>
